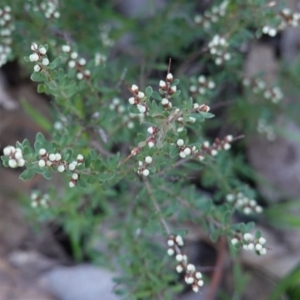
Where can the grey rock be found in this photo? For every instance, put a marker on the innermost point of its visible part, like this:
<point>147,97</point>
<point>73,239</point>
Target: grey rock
<point>80,282</point>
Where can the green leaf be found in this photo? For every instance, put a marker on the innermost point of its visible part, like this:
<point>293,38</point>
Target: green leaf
<point>56,62</point>
<point>177,93</point>
<point>36,116</point>
<point>41,88</point>
<point>47,174</point>
<point>38,77</point>
<point>156,96</point>
<point>148,92</point>
<point>27,174</point>
<point>206,115</point>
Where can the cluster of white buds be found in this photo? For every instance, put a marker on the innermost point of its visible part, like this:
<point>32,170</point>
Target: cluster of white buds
<point>196,109</point>
<point>259,86</point>
<point>212,150</point>
<point>49,8</point>
<point>218,49</point>
<point>151,140</point>
<point>39,57</point>
<point>143,166</point>
<point>286,19</point>
<point>203,84</point>
<point>167,90</point>
<point>270,31</point>
<point>248,242</point>
<point>243,203</point>
<point>192,276</point>
<point>289,19</point>
<point>15,156</point>
<point>55,160</point>
<point>100,58</point>
<point>212,15</point>
<point>104,35</point>
<point>267,130</point>
<point>138,99</point>
<point>121,109</point>
<point>6,29</point>
<point>77,63</point>
<point>184,151</point>
<point>38,200</point>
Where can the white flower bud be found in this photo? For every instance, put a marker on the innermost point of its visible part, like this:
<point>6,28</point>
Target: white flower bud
<point>234,241</point>
<point>42,163</point>
<point>248,237</point>
<point>57,156</point>
<point>72,166</point>
<point>66,48</point>
<point>82,61</point>
<point>170,251</point>
<point>198,275</point>
<point>229,138</point>
<point>151,144</point>
<point>189,279</point>
<point>75,176</point>
<point>134,88</point>
<point>79,75</point>
<point>179,240</point>
<point>12,163</point>
<point>43,50</point>
<point>131,100</point>
<point>251,246</point>
<point>263,251</point>
<point>141,95</point>
<point>148,159</point>
<point>71,184</point>
<point>7,151</point>
<point>171,243</point>
<point>74,55</point>
<point>214,152</point>
<point>226,146</point>
<point>182,154</point>
<point>72,64</point>
<point>191,268</point>
<point>180,143</point>
<point>42,151</point>
<point>33,57</point>
<point>179,268</point>
<point>18,154</point>
<point>141,108</point>
<point>34,46</point>
<point>21,162</point>
<point>164,101</point>
<point>80,157</point>
<point>45,61</point>
<point>262,240</point>
<point>170,77</point>
<point>195,289</point>
<point>179,257</point>
<point>187,151</point>
<point>200,282</point>
<point>36,68</point>
<point>145,172</point>
<point>162,84</point>
<point>52,157</point>
<point>173,88</point>
<point>61,168</point>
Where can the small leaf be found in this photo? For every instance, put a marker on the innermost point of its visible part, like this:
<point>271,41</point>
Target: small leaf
<point>38,77</point>
<point>156,96</point>
<point>148,92</point>
<point>207,115</point>
<point>27,174</point>
<point>47,174</point>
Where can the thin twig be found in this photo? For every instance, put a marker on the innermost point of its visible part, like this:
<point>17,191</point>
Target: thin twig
<point>157,208</point>
<point>217,275</point>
